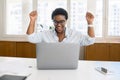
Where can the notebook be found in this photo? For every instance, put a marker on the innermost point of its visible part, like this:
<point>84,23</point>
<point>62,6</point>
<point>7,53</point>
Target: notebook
<point>57,55</point>
<point>12,77</point>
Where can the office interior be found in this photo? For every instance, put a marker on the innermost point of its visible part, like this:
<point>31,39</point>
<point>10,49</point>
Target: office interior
<point>14,20</point>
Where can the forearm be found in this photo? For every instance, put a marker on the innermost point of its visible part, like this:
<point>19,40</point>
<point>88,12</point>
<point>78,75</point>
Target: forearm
<point>31,27</point>
<point>91,31</point>
<point>90,19</point>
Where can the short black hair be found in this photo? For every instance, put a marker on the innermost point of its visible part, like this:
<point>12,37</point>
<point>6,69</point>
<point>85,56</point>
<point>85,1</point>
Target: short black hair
<point>60,11</point>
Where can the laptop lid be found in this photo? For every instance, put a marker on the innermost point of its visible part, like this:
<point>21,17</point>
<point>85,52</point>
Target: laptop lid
<point>57,55</point>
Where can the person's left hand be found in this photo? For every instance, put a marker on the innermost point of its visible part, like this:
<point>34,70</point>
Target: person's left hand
<point>89,18</point>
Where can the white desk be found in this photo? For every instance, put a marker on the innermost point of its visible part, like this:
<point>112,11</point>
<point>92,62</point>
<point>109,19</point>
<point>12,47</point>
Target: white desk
<point>86,70</point>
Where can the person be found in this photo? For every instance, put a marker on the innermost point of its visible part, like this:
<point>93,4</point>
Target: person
<point>60,33</point>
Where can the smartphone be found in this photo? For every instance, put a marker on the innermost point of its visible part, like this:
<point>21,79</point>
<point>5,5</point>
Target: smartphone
<point>102,70</point>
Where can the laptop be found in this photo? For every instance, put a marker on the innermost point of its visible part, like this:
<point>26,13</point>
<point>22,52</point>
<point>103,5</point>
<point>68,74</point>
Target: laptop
<point>57,55</point>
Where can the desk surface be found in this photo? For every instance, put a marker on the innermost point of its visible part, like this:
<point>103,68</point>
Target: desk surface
<point>86,70</point>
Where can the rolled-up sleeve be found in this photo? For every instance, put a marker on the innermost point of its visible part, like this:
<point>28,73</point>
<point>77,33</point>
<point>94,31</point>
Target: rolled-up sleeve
<point>35,37</point>
<point>87,40</point>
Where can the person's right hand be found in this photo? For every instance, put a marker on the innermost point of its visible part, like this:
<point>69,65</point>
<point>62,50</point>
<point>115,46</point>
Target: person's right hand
<point>33,15</point>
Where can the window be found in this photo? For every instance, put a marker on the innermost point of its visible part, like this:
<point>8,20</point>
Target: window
<point>78,10</point>
<point>107,16</point>
<point>114,18</point>
<point>45,8</point>
<point>17,16</point>
<point>98,18</point>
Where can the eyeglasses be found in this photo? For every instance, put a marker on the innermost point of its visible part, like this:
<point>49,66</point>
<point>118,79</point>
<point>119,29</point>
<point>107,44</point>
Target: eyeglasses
<point>62,22</point>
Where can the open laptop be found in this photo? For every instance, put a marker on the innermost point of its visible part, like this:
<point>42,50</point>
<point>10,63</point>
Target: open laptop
<point>57,55</point>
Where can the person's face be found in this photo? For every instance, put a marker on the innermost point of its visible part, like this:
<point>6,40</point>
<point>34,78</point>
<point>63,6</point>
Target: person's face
<point>59,23</point>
